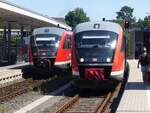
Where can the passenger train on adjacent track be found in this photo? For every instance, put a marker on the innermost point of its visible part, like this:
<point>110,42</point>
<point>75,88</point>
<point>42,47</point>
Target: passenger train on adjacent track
<point>98,53</point>
<point>50,47</point>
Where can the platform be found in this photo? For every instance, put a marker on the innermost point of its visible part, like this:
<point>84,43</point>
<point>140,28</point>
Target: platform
<point>14,66</point>
<point>136,97</point>
<point>11,72</point>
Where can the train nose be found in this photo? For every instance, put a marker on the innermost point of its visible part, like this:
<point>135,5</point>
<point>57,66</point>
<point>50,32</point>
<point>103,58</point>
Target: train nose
<point>94,73</point>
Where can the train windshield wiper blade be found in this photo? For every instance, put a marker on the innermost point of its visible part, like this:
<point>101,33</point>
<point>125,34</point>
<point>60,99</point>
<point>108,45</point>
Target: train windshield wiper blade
<point>90,46</point>
<point>97,46</point>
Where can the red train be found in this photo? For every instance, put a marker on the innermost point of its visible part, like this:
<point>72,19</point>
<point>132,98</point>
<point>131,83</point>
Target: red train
<point>50,47</point>
<point>98,53</point>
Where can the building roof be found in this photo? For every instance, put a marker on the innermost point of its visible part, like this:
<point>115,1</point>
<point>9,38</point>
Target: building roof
<point>17,16</point>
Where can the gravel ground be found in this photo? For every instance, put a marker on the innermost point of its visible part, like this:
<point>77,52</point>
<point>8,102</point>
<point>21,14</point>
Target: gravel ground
<point>19,102</point>
<point>54,103</point>
<point>11,82</point>
<point>50,105</point>
<point>29,97</point>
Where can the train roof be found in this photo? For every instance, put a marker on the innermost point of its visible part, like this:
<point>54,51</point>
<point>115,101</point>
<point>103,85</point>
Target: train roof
<point>101,25</point>
<point>48,30</point>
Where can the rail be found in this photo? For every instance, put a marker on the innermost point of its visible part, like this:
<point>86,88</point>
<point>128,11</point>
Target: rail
<point>94,104</point>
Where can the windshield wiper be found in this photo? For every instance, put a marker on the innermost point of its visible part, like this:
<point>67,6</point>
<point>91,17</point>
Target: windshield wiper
<point>91,46</point>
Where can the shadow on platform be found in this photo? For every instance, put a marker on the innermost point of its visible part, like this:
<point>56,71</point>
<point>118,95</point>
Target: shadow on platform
<point>137,86</point>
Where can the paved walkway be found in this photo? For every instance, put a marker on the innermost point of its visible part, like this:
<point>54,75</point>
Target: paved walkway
<point>136,97</point>
<point>14,66</point>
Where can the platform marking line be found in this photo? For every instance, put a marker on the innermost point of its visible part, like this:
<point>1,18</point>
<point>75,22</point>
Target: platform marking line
<point>40,101</point>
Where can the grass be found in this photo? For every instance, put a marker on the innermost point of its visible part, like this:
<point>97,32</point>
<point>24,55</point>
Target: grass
<point>2,110</point>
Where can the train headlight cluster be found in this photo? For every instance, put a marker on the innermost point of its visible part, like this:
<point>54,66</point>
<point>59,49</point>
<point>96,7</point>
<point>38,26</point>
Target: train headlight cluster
<point>43,54</point>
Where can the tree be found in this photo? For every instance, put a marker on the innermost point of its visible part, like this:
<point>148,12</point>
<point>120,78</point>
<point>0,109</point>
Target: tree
<point>75,17</point>
<point>126,12</point>
<point>120,22</point>
<point>143,23</point>
<point>140,23</point>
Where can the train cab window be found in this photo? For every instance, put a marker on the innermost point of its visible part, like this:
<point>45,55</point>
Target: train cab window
<point>96,39</point>
<point>67,43</point>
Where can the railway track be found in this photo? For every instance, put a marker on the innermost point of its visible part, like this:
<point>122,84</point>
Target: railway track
<point>47,85</point>
<point>16,89</point>
<point>89,104</point>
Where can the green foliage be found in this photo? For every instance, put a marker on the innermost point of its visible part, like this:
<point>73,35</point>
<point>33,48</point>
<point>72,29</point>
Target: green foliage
<point>126,12</point>
<point>143,23</point>
<point>3,110</point>
<point>128,42</point>
<point>120,22</point>
<point>75,17</point>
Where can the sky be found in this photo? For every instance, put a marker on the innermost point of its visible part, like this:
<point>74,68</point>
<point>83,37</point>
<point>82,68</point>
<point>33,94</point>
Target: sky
<point>95,9</point>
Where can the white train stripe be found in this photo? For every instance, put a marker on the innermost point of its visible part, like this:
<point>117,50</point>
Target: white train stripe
<point>117,72</point>
<point>64,62</point>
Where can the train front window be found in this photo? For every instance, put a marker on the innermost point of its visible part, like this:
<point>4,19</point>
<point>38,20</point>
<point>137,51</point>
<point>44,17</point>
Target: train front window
<point>46,41</point>
<point>96,39</point>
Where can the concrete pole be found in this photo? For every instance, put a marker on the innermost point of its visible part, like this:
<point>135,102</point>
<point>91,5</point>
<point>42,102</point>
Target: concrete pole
<point>9,43</point>
<point>31,30</point>
<point>5,42</point>
<point>22,44</point>
<point>133,44</point>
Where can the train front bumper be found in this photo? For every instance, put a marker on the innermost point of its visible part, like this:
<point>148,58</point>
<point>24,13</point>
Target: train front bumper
<point>102,84</point>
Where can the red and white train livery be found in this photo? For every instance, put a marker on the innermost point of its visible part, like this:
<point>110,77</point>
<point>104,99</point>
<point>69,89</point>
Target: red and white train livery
<point>50,47</point>
<point>98,51</point>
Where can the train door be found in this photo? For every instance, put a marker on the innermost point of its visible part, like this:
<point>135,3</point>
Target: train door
<point>63,58</point>
<point>67,48</point>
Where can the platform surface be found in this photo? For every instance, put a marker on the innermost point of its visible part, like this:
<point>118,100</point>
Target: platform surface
<point>136,97</point>
<point>14,66</point>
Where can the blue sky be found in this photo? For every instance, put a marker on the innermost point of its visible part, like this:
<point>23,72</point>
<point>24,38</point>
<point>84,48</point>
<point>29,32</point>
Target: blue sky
<point>95,9</point>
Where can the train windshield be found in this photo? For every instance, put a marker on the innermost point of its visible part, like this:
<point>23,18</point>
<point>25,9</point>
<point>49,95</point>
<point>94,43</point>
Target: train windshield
<point>96,39</point>
<point>46,41</point>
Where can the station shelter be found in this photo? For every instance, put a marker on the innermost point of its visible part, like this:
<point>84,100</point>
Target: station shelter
<point>140,38</point>
<point>16,26</point>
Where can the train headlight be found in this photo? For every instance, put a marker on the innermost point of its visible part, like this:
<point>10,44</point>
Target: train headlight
<point>57,44</point>
<point>81,59</point>
<point>44,54</point>
<point>108,59</point>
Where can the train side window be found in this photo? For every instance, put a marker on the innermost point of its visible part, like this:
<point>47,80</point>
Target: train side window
<point>67,43</point>
<point>123,45</point>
